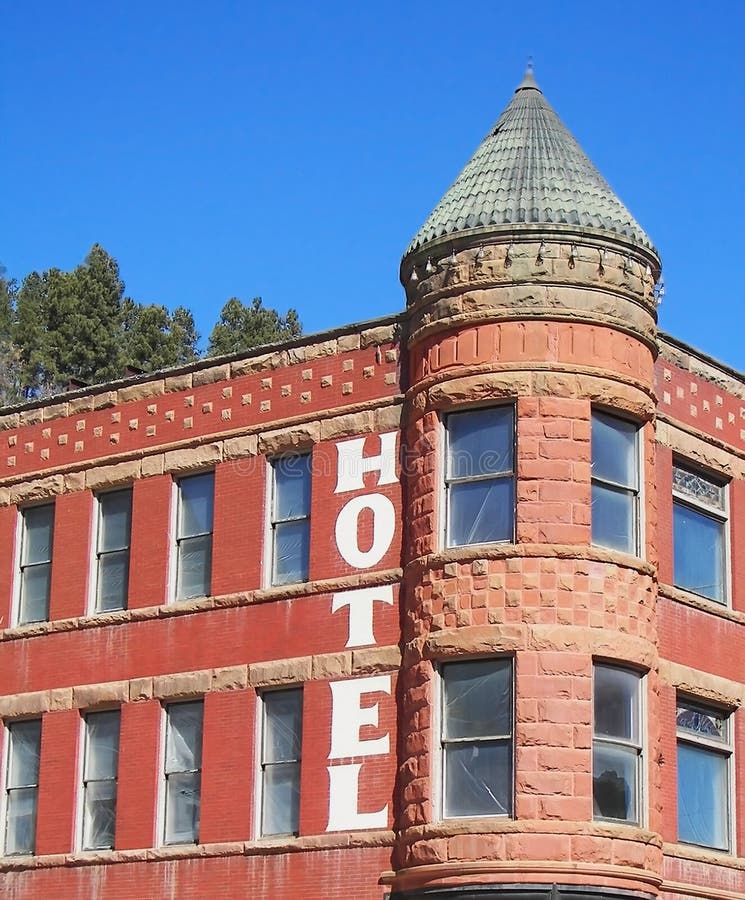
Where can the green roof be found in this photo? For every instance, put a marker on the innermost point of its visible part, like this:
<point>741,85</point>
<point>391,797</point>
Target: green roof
<point>529,169</point>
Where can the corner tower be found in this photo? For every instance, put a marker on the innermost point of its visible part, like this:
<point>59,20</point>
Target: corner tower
<point>529,738</point>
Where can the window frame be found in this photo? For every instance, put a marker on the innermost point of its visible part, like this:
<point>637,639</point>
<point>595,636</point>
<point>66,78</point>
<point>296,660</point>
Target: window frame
<point>440,773</point>
<point>446,480</point>
<point>8,741</point>
<point>162,824</point>
<point>640,745</point>
<point>723,748</point>
<point>178,540</point>
<point>262,763</point>
<point>270,555</point>
<point>86,715</point>
<point>721,516</point>
<point>97,554</point>
<point>637,494</point>
<point>21,567</point>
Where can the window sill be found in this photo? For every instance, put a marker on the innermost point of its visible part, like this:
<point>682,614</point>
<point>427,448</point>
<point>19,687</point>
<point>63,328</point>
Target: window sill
<point>505,550</point>
<point>697,853</point>
<point>259,847</point>
<point>189,607</point>
<point>696,601</point>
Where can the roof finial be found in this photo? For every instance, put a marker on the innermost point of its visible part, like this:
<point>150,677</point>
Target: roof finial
<point>528,82</point>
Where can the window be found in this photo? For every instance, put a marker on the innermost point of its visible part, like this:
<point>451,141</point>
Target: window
<point>112,550</point>
<point>290,519</point>
<point>480,476</point>
<point>36,563</point>
<point>282,734</point>
<point>22,786</point>
<point>699,519</point>
<point>476,728</point>
<point>183,772</point>
<point>615,483</point>
<point>616,745</point>
<point>704,761</point>
<point>100,766</point>
<point>194,536</point>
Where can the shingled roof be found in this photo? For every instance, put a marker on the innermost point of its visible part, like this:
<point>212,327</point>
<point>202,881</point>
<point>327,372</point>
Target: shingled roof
<point>529,169</point>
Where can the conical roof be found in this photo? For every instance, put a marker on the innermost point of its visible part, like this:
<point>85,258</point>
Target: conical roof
<point>530,170</point>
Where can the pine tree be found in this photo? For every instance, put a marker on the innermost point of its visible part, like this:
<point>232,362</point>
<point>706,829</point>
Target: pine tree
<point>242,327</point>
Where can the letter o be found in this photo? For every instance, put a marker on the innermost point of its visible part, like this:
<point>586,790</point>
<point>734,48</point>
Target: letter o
<point>384,527</point>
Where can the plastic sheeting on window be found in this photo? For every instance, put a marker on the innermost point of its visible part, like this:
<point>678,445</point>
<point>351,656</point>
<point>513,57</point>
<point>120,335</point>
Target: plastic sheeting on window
<point>698,552</point>
<point>481,511</point>
<point>283,723</point>
<point>477,738</point>
<point>194,567</point>
<point>22,786</point>
<point>703,797</point>
<point>183,772</point>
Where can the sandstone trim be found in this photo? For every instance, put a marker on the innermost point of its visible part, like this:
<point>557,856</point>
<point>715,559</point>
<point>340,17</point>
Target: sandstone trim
<point>466,384</point>
<point>189,607</point>
<point>304,844</point>
<point>703,684</point>
<point>597,873</point>
<point>542,551</point>
<point>700,447</point>
<point>176,686</point>
<point>177,456</point>
<point>669,592</point>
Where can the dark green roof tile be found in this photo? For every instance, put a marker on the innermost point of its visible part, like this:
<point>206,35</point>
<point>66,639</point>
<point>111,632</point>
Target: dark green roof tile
<point>529,169</point>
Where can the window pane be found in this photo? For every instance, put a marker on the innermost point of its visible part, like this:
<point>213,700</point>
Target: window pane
<point>478,699</point>
<point>291,487</point>
<point>35,586</point>
<point>698,542</point>
<point>480,442</point>
<point>614,450</point>
<point>37,539</point>
<point>478,779</point>
<point>194,567</point>
<point>184,749</point>
<point>281,800</point>
<point>481,511</point>
<point>283,711</point>
<point>291,551</point>
<point>116,515</point>
<point>703,797</point>
<point>20,835</point>
<point>616,703</point>
<point>182,808</point>
<point>196,496</point>
<point>614,778</point>
<point>25,743</point>
<point>613,518</point>
<point>99,815</point>
<point>102,760</point>
<point>113,581</point>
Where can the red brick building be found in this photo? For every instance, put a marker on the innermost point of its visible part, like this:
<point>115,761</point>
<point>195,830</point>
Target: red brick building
<point>439,606</point>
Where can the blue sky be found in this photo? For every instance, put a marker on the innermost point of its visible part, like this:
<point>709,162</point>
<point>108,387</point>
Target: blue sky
<point>291,150</point>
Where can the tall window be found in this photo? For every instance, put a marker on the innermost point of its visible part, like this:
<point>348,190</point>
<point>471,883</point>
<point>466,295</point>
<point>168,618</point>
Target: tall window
<point>194,536</point>
<point>22,786</point>
<point>36,563</point>
<point>290,519</point>
<point>615,483</point>
<point>617,744</point>
<point>699,520</point>
<point>476,738</point>
<point>282,734</point>
<point>100,766</point>
<point>183,772</point>
<point>704,763</point>
<point>112,549</point>
<point>480,476</point>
